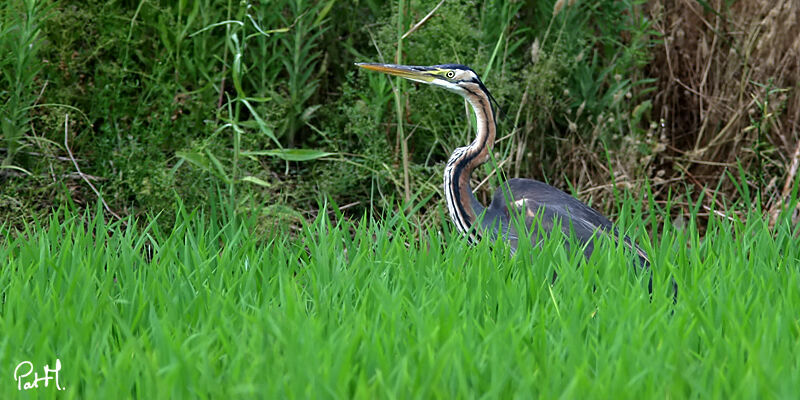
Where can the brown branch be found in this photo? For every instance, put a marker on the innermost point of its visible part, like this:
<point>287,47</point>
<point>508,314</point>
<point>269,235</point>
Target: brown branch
<point>422,21</point>
<point>787,187</point>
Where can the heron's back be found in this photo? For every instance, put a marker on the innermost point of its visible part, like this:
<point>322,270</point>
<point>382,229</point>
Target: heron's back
<point>545,207</point>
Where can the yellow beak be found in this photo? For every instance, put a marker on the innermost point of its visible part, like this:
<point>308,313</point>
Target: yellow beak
<point>404,71</point>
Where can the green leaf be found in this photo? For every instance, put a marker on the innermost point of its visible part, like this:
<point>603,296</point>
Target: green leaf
<point>309,112</point>
<point>194,158</point>
<point>206,162</point>
<point>324,12</point>
<point>260,123</point>
<point>290,154</point>
<point>14,167</point>
<point>237,74</point>
<point>258,99</point>
<point>257,181</point>
<point>218,166</point>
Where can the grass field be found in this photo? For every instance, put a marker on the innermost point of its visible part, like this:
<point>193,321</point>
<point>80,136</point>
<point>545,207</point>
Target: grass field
<point>383,310</point>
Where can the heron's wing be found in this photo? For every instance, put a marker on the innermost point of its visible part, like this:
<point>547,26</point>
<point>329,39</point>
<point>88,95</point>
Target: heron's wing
<point>534,199</point>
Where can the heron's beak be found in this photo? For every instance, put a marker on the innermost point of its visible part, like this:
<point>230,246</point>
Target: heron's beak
<point>416,74</point>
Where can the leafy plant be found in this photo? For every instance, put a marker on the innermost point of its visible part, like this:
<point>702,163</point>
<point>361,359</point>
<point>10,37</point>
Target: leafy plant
<point>20,25</point>
<point>301,62</point>
<point>239,107</point>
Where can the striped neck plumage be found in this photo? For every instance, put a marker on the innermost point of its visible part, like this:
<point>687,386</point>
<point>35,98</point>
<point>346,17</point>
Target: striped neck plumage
<point>464,208</point>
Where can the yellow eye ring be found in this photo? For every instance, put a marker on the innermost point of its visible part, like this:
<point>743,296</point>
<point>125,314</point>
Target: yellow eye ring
<point>450,74</point>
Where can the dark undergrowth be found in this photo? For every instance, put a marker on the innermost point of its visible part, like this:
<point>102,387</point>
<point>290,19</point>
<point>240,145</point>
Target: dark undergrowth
<point>141,103</point>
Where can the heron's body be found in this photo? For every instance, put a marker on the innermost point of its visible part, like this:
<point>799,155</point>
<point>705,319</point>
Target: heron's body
<point>542,206</point>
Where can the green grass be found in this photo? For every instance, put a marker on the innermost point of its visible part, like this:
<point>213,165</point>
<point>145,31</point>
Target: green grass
<point>382,310</point>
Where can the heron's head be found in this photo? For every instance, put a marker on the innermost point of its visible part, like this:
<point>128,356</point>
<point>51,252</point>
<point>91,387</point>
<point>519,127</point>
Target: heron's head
<point>453,77</point>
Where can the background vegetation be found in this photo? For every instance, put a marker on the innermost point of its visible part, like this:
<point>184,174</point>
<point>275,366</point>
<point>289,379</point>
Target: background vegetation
<point>259,102</point>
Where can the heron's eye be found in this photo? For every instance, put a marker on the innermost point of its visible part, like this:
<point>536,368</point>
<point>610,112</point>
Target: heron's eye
<point>450,74</point>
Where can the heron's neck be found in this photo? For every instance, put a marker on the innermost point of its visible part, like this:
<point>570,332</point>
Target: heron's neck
<point>463,206</point>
